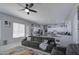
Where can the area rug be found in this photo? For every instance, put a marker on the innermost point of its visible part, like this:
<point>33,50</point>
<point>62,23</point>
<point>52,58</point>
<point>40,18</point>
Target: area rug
<point>22,50</point>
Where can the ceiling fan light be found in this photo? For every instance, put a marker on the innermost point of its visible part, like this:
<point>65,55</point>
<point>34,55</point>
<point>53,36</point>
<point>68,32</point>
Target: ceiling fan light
<point>26,10</point>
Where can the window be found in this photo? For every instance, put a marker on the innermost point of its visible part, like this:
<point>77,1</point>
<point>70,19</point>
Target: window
<point>58,29</point>
<point>18,30</point>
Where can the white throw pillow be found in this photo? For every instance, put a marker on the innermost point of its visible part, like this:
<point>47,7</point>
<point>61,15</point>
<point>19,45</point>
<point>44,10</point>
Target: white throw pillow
<point>28,38</point>
<point>43,45</point>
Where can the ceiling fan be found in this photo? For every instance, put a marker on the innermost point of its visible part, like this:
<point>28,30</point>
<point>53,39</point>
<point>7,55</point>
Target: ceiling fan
<point>28,7</point>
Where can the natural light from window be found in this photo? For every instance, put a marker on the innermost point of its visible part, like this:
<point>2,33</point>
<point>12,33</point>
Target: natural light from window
<point>18,30</point>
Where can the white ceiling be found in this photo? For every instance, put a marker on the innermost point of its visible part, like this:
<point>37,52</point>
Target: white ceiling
<point>48,13</point>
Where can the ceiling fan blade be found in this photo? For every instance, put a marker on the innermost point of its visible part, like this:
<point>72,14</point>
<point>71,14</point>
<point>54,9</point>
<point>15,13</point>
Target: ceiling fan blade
<point>33,10</point>
<point>27,5</point>
<point>31,4</point>
<point>21,9</point>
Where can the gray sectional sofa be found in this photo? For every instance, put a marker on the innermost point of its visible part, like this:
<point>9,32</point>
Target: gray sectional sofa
<point>35,44</point>
<point>72,49</point>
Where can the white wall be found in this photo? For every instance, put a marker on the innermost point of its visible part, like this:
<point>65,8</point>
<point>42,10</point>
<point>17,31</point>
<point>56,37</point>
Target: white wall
<point>74,24</point>
<point>8,33</point>
<point>0,30</point>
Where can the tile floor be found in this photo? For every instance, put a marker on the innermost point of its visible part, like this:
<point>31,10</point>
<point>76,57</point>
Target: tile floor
<point>8,46</point>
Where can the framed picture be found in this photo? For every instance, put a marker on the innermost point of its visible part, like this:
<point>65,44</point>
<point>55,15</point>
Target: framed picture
<point>7,23</point>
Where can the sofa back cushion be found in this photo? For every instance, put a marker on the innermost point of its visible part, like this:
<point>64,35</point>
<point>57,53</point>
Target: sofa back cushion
<point>36,39</point>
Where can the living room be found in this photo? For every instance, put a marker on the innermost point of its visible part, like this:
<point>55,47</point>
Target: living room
<point>47,29</point>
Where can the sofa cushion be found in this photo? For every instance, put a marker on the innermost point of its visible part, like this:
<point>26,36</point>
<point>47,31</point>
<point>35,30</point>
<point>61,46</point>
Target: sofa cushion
<point>72,49</point>
<point>58,51</point>
<point>35,39</point>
